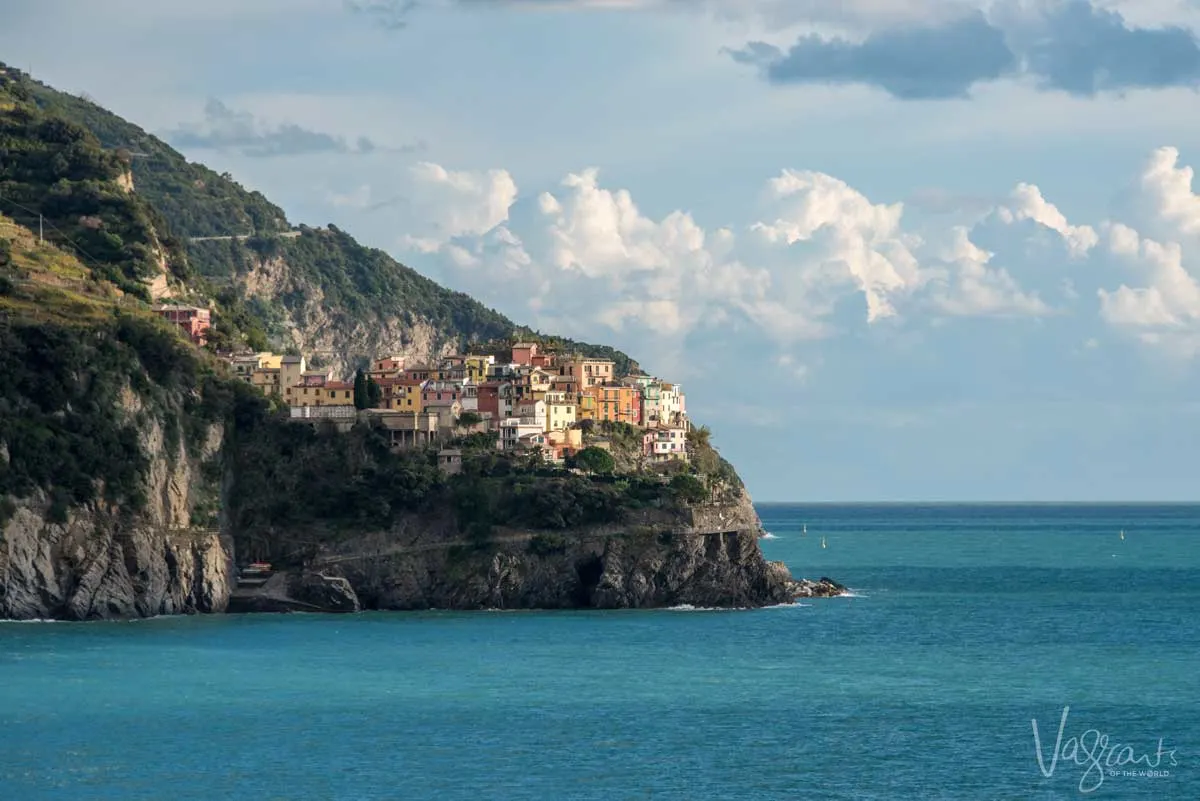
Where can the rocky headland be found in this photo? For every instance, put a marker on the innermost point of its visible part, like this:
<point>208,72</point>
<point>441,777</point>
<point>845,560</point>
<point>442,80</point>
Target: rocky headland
<point>703,557</point>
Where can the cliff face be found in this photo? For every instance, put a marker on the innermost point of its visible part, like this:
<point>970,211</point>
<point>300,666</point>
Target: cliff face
<point>620,571</point>
<point>659,560</point>
<point>313,325</point>
<point>98,561</point>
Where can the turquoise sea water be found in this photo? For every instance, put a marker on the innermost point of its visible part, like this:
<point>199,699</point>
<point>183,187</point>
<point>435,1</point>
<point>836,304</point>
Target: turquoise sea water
<point>968,623</point>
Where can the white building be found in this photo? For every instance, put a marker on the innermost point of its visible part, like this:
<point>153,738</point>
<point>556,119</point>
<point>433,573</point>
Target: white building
<point>665,443</point>
<point>671,406</point>
<point>514,428</point>
<point>532,409</point>
<point>469,397</point>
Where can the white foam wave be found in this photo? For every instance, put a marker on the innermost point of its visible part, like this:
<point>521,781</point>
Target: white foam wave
<point>690,608</point>
<point>852,593</point>
<point>766,535</point>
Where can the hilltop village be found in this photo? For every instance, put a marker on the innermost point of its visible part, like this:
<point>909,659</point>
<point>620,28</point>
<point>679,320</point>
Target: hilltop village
<point>535,402</point>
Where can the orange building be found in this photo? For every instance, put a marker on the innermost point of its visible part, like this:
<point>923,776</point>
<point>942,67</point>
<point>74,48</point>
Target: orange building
<point>587,372</point>
<point>614,402</point>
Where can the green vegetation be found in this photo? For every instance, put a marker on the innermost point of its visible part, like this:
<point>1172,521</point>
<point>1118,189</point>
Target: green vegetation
<point>63,424</point>
<point>194,200</point>
<point>358,282</point>
<point>594,460</point>
<point>688,489</point>
<point>87,369</point>
<point>529,500</point>
<point>708,462</point>
<point>294,478</point>
<point>468,419</point>
<point>51,167</point>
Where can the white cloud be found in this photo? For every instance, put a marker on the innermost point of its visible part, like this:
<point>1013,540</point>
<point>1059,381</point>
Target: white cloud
<point>821,260</point>
<point>970,288</point>
<point>590,256</point>
<point>1028,204</point>
<point>1167,189</point>
<point>460,203</point>
<point>859,241</point>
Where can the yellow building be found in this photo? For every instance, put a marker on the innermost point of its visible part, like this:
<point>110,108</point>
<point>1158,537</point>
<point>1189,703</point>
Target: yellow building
<point>338,393</point>
<point>331,393</point>
<point>267,381</point>
<point>560,416</point>
<point>402,395</point>
<point>587,409</point>
<point>477,367</point>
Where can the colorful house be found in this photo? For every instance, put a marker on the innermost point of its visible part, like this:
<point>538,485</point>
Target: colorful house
<point>391,365</point>
<point>587,372</point>
<point>616,403</point>
<point>587,409</point>
<point>477,367</point>
<point>418,372</point>
<point>438,391</point>
<point>672,408</point>
<point>560,414</point>
<point>514,429</point>
<point>651,404</point>
<point>523,353</point>
<point>564,443</point>
<point>267,381</point>
<point>665,443</point>
<point>530,409</point>
<point>193,321</point>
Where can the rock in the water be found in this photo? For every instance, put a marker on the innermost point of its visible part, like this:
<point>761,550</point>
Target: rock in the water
<point>328,593</point>
<point>821,588</point>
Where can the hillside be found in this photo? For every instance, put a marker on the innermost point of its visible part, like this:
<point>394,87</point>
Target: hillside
<point>136,473</point>
<point>314,289</point>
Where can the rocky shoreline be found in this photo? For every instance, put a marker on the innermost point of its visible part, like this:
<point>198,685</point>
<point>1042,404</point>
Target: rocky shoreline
<point>312,591</point>
<point>100,564</point>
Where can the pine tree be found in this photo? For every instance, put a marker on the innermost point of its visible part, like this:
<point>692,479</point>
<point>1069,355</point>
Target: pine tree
<point>360,390</point>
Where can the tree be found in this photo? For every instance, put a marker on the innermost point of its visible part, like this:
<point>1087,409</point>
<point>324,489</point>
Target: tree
<point>360,390</point>
<point>374,393</point>
<point>688,489</point>
<point>469,419</point>
<point>595,460</point>
<point>700,438</point>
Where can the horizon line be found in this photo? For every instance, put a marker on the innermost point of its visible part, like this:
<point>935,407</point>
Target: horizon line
<point>1195,502</point>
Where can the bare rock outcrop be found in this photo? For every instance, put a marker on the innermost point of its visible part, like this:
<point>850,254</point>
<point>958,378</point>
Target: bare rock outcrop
<point>97,561</point>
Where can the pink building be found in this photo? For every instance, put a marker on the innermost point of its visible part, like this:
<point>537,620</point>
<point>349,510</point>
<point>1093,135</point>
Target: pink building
<point>440,392</point>
<point>192,320</point>
<point>665,443</point>
<point>524,352</point>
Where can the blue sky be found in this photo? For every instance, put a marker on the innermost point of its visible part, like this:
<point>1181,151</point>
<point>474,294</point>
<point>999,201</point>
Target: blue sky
<point>894,250</point>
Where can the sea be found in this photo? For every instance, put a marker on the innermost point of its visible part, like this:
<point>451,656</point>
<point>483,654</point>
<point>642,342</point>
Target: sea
<point>968,626</point>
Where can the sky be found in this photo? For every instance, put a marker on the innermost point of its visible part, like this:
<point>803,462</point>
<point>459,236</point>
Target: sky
<point>937,250</point>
